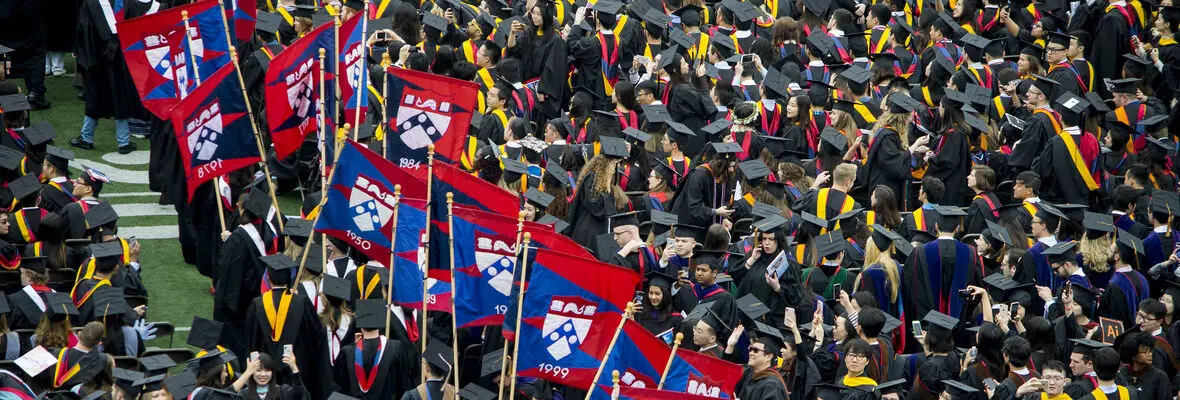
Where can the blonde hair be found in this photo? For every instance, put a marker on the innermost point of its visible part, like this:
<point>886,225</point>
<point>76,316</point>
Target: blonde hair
<point>54,335</point>
<point>844,172</point>
<point>604,178</point>
<point>898,122</point>
<point>1094,252</point>
<point>885,260</point>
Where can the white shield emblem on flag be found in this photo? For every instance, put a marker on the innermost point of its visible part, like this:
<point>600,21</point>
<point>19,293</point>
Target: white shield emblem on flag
<point>566,324</point>
<point>422,121</point>
<point>369,213</point>
<point>202,139</point>
<point>496,260</point>
<point>300,92</point>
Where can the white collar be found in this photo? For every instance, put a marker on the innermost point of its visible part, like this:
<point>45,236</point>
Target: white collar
<point>1073,130</point>
<point>836,33</point>
<point>1109,389</point>
<point>769,105</point>
<point>1049,241</point>
<point>1117,212</point>
<point>1032,200</point>
<point>721,65</point>
<point>606,32</point>
<point>59,179</point>
<point>816,63</point>
<point>742,34</point>
<point>707,348</point>
<point>1021,372</point>
<point>748,82</point>
<point>1079,272</point>
<point>1123,269</point>
<point>1158,331</point>
<point>975,65</point>
<point>558,141</point>
<point>1160,229</point>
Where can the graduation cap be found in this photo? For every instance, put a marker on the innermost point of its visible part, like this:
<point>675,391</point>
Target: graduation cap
<point>213,359</point>
<point>107,250</point>
<point>959,390</point>
<point>475,392</point>
<point>1163,144</point>
<point>1054,37</point>
<point>857,74</point>
<point>439,354</point>
<point>102,215</point>
<point>257,202</point>
<point>771,223</point>
<point>975,122</point>
<point>1045,209</point>
<point>1033,50</point>
<point>1071,105</point>
<point>1097,104</point>
<point>722,40</point>
<point>657,18</point>
<point>109,302</point>
<point>181,385</point>
<point>1061,252</point>
<point>268,22</point>
<point>40,133</point>
<point>35,264</point>
<point>754,169</point>
<point>539,198</point>
<point>337,288</point>
<point>715,128</point>
<point>710,318</point>
<point>1125,85</point>
<point>1004,284</point>
<point>954,99</point>
<point>978,42</point>
<point>776,82</point>
<point>666,219</point>
<point>1155,123</point>
<point>769,336</point>
<point>613,147</point>
<point>14,103</point>
<point>940,323</point>
<point>999,233</point>
<point>24,186</point>
<point>1135,64</point>
<point>710,257</point>
<point>59,306</point>
<point>812,219</point>
<point>58,157</point>
<point>298,230</point>
<point>147,383</point>
<point>205,334</point>
<point>559,174</point>
<point>822,42</point>
<point>727,149</point>
<point>279,263</point>
<point>817,7</point>
<point>900,103</point>
<point>1086,347</point>
<point>623,219</point>
<point>659,278</point>
<point>833,138</point>
<point>1098,222</point>
<point>125,379</point>
<point>1129,241</point>
<point>559,225</point>
<point>636,135</point>
<point>371,314</point>
<point>751,309</point>
<point>1165,202</point>
<point>321,17</point>
<point>829,244</point>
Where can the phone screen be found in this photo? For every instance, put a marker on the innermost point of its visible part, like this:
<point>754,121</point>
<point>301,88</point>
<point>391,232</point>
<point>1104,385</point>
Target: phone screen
<point>917,328</point>
<point>836,290</point>
<point>991,383</point>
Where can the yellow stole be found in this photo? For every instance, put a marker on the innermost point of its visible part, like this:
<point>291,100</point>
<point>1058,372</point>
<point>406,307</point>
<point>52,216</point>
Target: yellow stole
<point>276,318</point>
<point>365,290</point>
<point>1076,159</point>
<point>58,378</point>
<point>854,381</point>
<point>1099,395</point>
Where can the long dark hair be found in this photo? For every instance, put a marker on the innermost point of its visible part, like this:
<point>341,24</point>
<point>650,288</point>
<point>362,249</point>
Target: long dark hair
<point>405,23</point>
<point>52,232</point>
<point>887,214</point>
<point>547,30</point>
<point>991,341</point>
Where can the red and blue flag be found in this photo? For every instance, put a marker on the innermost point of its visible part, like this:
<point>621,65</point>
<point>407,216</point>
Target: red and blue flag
<point>354,79</point>
<point>161,59</point>
<point>213,129</point>
<point>469,190</point>
<point>360,200</point>
<point>485,261</point>
<point>425,109</point>
<point>637,355</point>
<point>407,265</point>
<point>243,15</point>
<point>697,374</point>
<point>563,298</point>
<point>293,89</point>
<point>634,393</point>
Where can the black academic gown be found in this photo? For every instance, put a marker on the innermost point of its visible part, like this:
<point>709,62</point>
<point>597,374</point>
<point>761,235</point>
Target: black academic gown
<point>53,199</point>
<point>1067,81</point>
<point>397,370</point>
<point>1062,182</point>
<point>933,274</point>
<point>588,214</point>
<point>237,280</point>
<point>75,217</point>
<point>26,312</point>
<point>1038,129</point>
<point>693,108</point>
<point>763,385</point>
<point>1112,39</point>
<point>984,207</point>
<point>699,195</point>
<point>887,163</point>
<point>585,51</point>
<point>108,90</point>
<point>1151,383</point>
<point>301,329</point>
<point>552,74</point>
<point>1132,394</point>
<point>951,164</point>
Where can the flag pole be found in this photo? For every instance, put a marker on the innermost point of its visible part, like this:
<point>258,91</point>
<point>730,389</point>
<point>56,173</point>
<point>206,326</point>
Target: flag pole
<point>426,243</point>
<point>614,378</point>
<point>233,55</point>
<point>609,349</point>
<point>397,204</point>
<point>192,60</point>
<point>361,88</point>
<point>528,237</point>
<point>672,356</point>
<point>454,320</point>
<point>321,120</point>
<point>323,245</point>
<point>336,22</point>
<point>519,248</point>
<point>385,62</point>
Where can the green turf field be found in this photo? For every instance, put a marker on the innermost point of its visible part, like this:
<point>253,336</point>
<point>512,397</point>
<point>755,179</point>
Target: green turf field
<point>176,290</point>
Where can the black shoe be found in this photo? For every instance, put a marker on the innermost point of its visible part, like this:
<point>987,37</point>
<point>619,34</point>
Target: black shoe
<point>38,101</point>
<point>81,144</point>
<point>130,147</point>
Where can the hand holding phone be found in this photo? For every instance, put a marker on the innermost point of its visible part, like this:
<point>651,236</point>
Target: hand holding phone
<point>288,350</point>
<point>917,325</point>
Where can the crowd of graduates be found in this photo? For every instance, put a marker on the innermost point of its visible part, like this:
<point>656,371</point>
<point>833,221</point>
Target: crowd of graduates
<point>903,199</point>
